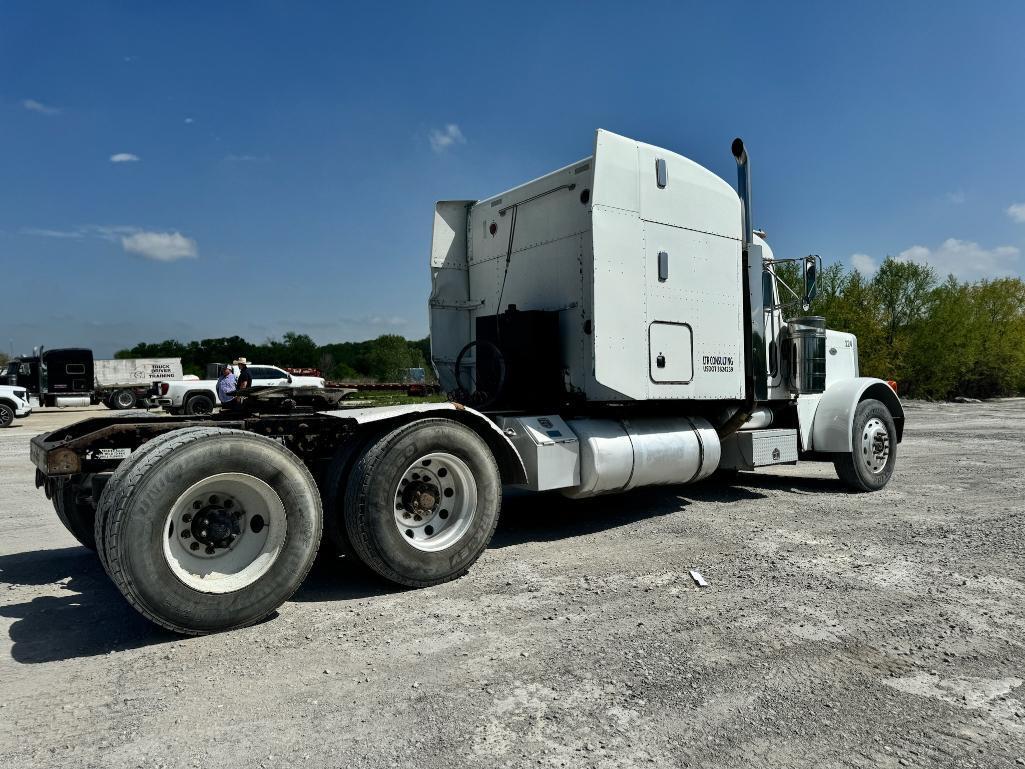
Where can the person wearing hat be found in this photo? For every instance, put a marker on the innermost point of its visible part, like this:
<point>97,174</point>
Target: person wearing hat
<point>226,386</point>
<point>245,379</point>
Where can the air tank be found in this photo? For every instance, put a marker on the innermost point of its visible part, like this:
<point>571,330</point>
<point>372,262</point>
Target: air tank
<point>622,454</point>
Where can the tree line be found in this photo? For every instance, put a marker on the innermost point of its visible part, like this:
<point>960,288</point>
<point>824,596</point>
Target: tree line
<point>936,338</point>
<point>384,359</point>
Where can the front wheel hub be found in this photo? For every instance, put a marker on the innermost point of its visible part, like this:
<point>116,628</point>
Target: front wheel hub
<point>875,445</point>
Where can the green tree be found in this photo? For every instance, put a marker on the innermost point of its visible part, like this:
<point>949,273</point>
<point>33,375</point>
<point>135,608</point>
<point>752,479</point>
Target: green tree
<point>389,358</point>
<point>903,289</point>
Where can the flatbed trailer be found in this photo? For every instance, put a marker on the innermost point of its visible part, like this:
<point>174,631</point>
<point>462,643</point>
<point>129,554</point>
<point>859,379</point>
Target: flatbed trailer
<point>615,324</point>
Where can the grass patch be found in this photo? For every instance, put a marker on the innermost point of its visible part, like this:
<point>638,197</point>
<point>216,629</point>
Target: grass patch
<point>367,398</point>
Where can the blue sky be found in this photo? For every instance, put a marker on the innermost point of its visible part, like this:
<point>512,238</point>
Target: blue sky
<point>192,170</point>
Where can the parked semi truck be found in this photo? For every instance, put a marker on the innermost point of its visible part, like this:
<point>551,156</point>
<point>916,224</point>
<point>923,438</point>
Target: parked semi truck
<point>614,324</point>
<point>70,376</point>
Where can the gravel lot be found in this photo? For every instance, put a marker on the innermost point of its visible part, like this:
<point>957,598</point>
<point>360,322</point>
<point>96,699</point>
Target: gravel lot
<point>838,630</point>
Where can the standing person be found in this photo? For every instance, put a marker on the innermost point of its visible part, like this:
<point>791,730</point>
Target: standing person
<point>245,379</point>
<point>226,386</point>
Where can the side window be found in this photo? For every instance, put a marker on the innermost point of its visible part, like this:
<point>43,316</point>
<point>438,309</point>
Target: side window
<point>768,301</point>
<point>74,368</point>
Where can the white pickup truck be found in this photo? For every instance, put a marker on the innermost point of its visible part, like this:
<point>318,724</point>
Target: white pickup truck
<point>199,396</point>
<point>13,403</point>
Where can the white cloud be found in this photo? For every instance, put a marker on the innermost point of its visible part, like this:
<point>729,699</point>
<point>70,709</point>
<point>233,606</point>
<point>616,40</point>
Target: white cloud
<point>965,259</point>
<point>1017,212</point>
<point>37,106</point>
<point>864,264</point>
<point>105,232</point>
<point>44,233</point>
<point>957,197</point>
<point>124,157</point>
<point>160,246</point>
<point>389,320</point>
<point>442,139</point>
<point>189,121</point>
<point>246,158</point>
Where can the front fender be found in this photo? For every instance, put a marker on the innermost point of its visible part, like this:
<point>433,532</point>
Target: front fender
<point>834,416</point>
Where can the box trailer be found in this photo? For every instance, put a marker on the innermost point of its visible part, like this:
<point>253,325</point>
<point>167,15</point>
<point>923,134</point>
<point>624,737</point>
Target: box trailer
<point>123,383</point>
<point>615,324</point>
<point>70,376</point>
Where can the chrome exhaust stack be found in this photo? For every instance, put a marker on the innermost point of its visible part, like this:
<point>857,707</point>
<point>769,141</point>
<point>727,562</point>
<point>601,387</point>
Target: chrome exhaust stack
<point>744,187</point>
<point>756,385</point>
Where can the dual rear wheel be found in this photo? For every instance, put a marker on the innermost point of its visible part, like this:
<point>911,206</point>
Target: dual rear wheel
<point>206,529</point>
<point>420,503</point>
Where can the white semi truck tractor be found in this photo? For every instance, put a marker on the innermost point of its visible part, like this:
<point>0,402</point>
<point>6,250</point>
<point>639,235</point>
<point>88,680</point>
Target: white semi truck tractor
<point>614,324</point>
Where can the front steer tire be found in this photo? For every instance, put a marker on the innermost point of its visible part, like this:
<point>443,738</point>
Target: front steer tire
<point>140,531</point>
<point>414,556</point>
<point>873,455</point>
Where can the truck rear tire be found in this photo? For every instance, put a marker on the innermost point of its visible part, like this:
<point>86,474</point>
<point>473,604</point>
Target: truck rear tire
<point>335,480</point>
<point>422,502</point>
<point>873,448</point>
<point>109,496</point>
<point>74,511</point>
<point>121,399</point>
<point>212,530</point>
<point>199,404</point>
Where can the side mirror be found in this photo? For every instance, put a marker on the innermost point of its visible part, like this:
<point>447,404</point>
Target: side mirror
<point>811,274</point>
<point>290,379</point>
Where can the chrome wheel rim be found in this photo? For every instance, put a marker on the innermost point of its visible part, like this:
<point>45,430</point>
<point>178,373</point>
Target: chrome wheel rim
<point>875,445</point>
<point>6,416</point>
<point>224,533</point>
<point>435,501</point>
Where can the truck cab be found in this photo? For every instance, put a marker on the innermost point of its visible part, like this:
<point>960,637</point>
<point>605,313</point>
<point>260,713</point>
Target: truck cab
<point>57,377</point>
<point>631,283</point>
